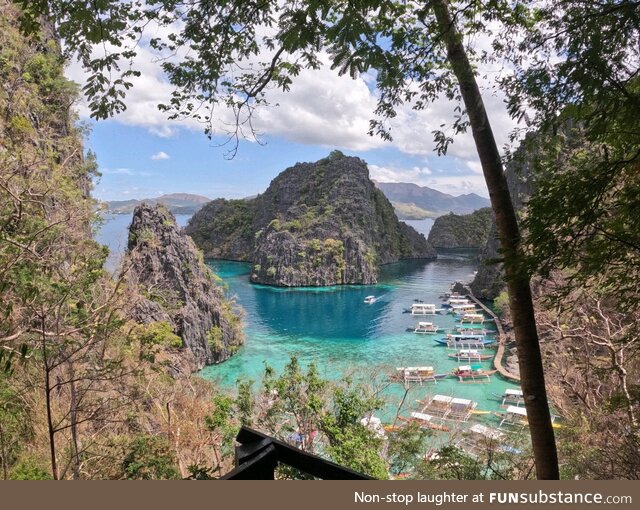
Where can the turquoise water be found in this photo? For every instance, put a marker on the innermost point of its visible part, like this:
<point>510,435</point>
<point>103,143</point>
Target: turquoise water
<point>333,328</point>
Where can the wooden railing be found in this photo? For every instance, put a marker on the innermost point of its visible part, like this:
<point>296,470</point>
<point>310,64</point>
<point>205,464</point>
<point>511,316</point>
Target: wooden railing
<point>502,339</point>
<point>258,455</point>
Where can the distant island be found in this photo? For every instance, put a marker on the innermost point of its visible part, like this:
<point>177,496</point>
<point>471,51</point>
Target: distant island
<point>322,223</point>
<point>177,203</point>
<point>462,231</point>
<point>413,202</point>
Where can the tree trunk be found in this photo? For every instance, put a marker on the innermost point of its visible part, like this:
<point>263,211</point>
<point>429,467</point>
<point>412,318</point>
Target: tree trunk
<point>520,301</point>
<point>73,421</point>
<point>47,397</point>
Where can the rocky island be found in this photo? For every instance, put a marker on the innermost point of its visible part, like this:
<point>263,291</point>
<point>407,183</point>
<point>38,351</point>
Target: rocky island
<point>462,231</point>
<point>317,224</point>
<point>176,290</point>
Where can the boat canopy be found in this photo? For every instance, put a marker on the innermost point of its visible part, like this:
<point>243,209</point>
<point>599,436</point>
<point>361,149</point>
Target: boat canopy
<point>521,411</point>
<point>423,306</point>
<point>458,338</point>
<point>485,431</point>
<point>514,392</point>
<point>424,324</point>
<point>442,399</point>
<point>465,367</point>
<point>421,416</point>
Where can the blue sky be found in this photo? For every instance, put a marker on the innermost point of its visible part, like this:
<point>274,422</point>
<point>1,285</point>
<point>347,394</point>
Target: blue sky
<point>142,154</point>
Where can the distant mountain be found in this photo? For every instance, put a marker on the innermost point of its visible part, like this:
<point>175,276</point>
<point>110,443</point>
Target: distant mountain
<point>410,199</point>
<point>177,203</point>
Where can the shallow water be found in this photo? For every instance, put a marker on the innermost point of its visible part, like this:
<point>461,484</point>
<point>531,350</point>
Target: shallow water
<point>333,328</point>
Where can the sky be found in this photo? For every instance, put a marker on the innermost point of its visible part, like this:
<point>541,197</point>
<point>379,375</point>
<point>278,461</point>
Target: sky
<point>142,154</point>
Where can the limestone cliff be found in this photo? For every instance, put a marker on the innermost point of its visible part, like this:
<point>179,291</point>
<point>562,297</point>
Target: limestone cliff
<point>322,223</point>
<point>466,231</point>
<point>489,282</point>
<point>177,288</point>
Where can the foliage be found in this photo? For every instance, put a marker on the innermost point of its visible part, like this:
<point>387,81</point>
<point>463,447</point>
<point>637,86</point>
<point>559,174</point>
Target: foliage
<point>501,303</point>
<point>29,469</point>
<point>462,231</point>
<point>401,42</point>
<point>351,443</point>
<point>214,338</point>
<point>149,458</point>
<point>156,334</point>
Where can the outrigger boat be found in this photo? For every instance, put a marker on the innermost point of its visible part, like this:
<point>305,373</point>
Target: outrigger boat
<point>517,416</point>
<point>427,327</point>
<point>473,374</point>
<point>514,416</point>
<point>463,309</point>
<point>416,375</point>
<point>453,341</point>
<point>472,318</point>
<point>470,355</point>
<point>449,408</point>
<point>370,299</point>
<point>457,301</point>
<point>479,439</point>
<point>426,421</point>
<point>423,309</point>
<point>511,396</point>
<point>468,330</point>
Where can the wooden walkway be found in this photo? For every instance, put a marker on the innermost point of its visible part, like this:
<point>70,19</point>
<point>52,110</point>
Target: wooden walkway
<point>502,340</point>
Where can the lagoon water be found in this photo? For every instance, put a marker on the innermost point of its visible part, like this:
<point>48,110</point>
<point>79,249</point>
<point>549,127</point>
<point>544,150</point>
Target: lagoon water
<point>333,327</point>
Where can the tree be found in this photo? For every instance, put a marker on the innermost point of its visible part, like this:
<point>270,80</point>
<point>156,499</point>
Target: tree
<point>576,80</point>
<point>239,49</point>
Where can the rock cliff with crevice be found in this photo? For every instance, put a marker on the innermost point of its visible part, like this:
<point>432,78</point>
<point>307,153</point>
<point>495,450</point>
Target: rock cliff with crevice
<point>175,287</point>
<point>322,223</point>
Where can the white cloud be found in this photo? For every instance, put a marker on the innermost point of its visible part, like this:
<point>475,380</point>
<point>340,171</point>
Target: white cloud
<point>160,156</point>
<point>321,108</point>
<point>458,184</point>
<point>416,174</point>
<point>117,171</point>
<point>475,167</point>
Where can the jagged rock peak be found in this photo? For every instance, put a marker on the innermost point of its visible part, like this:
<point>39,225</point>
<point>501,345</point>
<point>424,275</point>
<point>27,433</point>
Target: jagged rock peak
<point>176,287</point>
<point>322,223</point>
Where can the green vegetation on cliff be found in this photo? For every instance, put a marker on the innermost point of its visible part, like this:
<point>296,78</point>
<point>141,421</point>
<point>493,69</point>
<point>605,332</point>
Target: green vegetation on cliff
<point>322,223</point>
<point>467,231</point>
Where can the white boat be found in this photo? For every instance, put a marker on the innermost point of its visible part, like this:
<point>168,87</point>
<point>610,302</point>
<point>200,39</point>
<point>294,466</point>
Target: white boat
<point>370,299</point>
<point>470,355</point>
<point>428,328</point>
<point>462,309</point>
<point>512,396</point>
<point>515,416</point>
<point>458,300</point>
<point>416,374</point>
<point>423,309</point>
<point>479,440</point>
<point>449,408</point>
<point>472,318</point>
<point>427,421</point>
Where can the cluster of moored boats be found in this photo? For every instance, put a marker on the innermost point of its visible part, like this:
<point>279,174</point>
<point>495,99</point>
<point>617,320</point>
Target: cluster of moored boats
<point>466,339</point>
<point>469,342</point>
